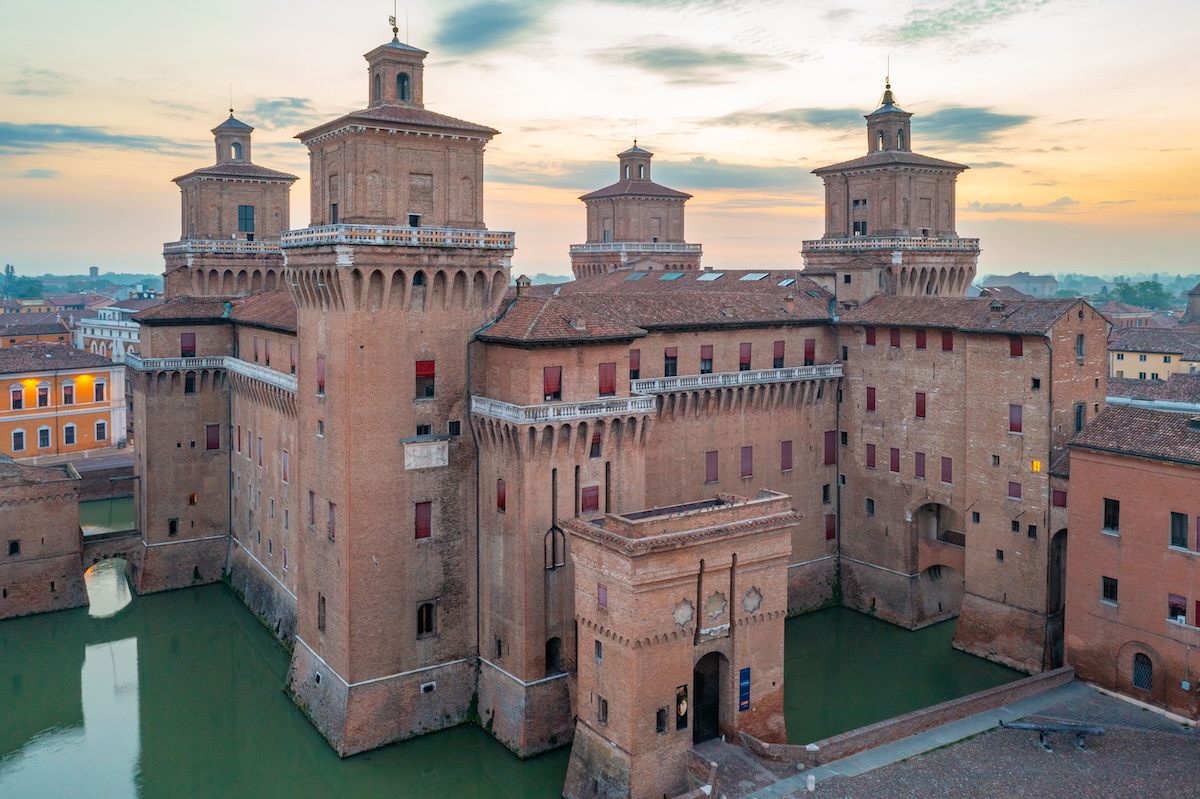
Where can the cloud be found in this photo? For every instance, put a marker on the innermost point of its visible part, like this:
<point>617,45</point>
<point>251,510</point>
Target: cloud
<point>793,119</point>
<point>1116,202</point>
<point>955,19</point>
<point>695,174</point>
<point>682,63</point>
<point>990,208</point>
<point>487,25</point>
<point>40,174</point>
<point>273,113</point>
<point>991,165</point>
<point>37,137</point>
<point>38,82</point>
<point>965,124</point>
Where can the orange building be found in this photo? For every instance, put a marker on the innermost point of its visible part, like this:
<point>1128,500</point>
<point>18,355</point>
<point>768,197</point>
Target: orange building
<point>57,400</point>
<point>15,332</point>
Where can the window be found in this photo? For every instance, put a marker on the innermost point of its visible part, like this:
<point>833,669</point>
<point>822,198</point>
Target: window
<point>212,436</point>
<point>1112,515</point>
<point>919,465</point>
<point>173,526</point>
<point>870,399</point>
<point>1035,384</point>
<point>1058,498</point>
<point>860,229</point>
<point>501,497</point>
<point>785,456</point>
<point>706,359</point>
<point>18,441</point>
<point>995,460</point>
<point>589,499</point>
<point>14,549</point>
<point>68,394</point>
<point>43,396</point>
<point>975,517</point>
<point>670,361</point>
<point>266,351</point>
<point>1014,490</point>
<point>1120,356</point>
<point>830,526</point>
<point>598,649</point>
<point>778,349</point>
<point>660,720</point>
<point>947,470</point>
<point>43,437</point>
<point>101,431</point>
<point>454,428</point>
<point>284,466</point>
<point>894,338</point>
<point>426,619</point>
<point>1143,671</point>
<point>920,404</point>
<point>826,494</point>
<point>602,710</point>
<point>846,279</point>
<point>320,375</point>
<point>239,438</point>
<point>747,469</point>
<point>594,452</point>
<point>333,217</point>
<point>292,352</point>
<point>332,526</point>
<point>552,383</point>
<point>894,459</point>
<point>602,595</point>
<point>1000,554</point>
<point>830,447</point>
<point>919,335</point>
<point>608,379</point>
<point>403,90</point>
<point>870,332</point>
<point>425,378</point>
<point>312,509</point>
<point>845,438</point>
<point>1179,530</point>
<point>69,435</point>
<point>256,349</point>
<point>1016,526</point>
<point>1014,418</point>
<point>870,507</point>
<point>187,345</point>
<point>1177,608</point>
<point>320,613</point>
<point>870,456</point>
<point>1166,358</point>
<point>260,451</point>
<point>710,467</point>
<point>1080,411</point>
<point>16,399</point>
<point>189,383</point>
<point>744,357</point>
<point>947,341</point>
<point>423,520</point>
<point>1079,348</point>
<point>635,364</point>
<point>1016,346</point>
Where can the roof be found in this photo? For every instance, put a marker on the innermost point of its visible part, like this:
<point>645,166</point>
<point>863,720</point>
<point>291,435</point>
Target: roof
<point>275,309</point>
<point>39,327</point>
<point>1167,340</point>
<point>1126,430</point>
<point>401,115</point>
<point>635,150</point>
<point>971,314</point>
<point>1112,307</point>
<point>232,124</point>
<point>19,474</point>
<point>396,44</point>
<point>182,309</point>
<point>236,170</point>
<point>138,305</point>
<point>1176,388</point>
<point>890,158</point>
<point>1061,465</point>
<point>44,356</point>
<point>1002,293</point>
<point>635,188</point>
<point>628,304</point>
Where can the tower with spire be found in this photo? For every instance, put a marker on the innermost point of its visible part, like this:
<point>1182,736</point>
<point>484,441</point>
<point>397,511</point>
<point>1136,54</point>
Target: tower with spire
<point>634,223</point>
<point>890,219</point>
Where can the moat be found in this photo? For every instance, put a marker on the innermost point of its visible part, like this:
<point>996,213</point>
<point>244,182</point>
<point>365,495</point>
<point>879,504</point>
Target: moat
<point>180,695</point>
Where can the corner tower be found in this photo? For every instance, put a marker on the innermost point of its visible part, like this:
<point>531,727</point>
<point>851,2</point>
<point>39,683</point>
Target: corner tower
<point>391,280</point>
<point>890,219</point>
<point>635,221</point>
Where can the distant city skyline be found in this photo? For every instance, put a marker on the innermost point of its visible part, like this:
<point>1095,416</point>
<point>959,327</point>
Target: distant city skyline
<point>1074,117</point>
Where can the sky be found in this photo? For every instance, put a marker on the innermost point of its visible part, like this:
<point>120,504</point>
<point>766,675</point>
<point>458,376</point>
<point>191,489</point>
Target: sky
<point>1078,118</point>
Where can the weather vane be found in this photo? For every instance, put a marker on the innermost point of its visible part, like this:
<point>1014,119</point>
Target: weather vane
<point>392,22</point>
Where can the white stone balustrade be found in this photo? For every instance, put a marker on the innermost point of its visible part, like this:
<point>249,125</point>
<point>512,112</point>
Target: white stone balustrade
<point>562,411</point>
<point>636,246</point>
<point>253,371</point>
<point>911,243</point>
<point>662,385</point>
<point>398,237</point>
<point>235,246</point>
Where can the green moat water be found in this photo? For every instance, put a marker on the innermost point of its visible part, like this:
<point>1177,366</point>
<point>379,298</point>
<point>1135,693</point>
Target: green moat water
<point>180,695</point>
<point>106,515</point>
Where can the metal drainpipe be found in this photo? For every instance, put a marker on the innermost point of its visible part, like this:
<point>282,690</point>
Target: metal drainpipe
<point>1049,533</point>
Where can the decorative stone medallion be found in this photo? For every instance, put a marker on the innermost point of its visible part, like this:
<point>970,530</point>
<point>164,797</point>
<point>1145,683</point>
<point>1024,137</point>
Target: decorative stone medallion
<point>684,612</point>
<point>752,601</point>
<point>714,606</point>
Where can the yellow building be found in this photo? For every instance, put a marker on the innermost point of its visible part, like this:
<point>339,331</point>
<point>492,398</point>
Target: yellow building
<point>1141,353</point>
<point>57,400</point>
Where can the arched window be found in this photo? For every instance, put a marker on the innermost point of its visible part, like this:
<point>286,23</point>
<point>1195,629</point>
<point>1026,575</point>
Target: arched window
<point>377,94</point>
<point>419,279</point>
<point>879,143</point>
<point>402,87</point>
<point>554,657</point>
<point>235,151</point>
<point>900,139</point>
<point>555,548</point>
<point>426,619</point>
<point>627,171</point>
<point>1143,672</point>
<point>641,171</point>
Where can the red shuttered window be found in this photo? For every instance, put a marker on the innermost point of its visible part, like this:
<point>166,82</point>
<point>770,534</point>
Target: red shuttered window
<point>920,338</point>
<point>423,520</point>
<point>870,456</point>
<point>286,468</point>
<point>747,461</point>
<point>608,379</point>
<point>1014,490</point>
<point>320,375</point>
<point>710,467</point>
<point>590,499</point>
<point>894,459</point>
<point>870,336</point>
<point>744,358</point>
<point>501,499</point>
<point>1059,498</point>
<point>894,336</point>
<point>187,345</point>
<point>830,447</point>
<point>1014,418</point>
<point>919,465</point>
<point>777,355</point>
<point>810,351</point>
<point>785,456</point>
<point>212,436</point>
<point>870,399</point>
<point>266,352</point>
<point>635,364</point>
<point>552,383</point>
<point>425,372</point>
<point>830,527</point>
<point>1016,346</point>
<point>920,404</point>
<point>947,470</point>
<point>947,341</point>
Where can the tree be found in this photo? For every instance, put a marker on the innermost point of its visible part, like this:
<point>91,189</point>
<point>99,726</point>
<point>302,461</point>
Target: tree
<point>1146,294</point>
<point>10,274</point>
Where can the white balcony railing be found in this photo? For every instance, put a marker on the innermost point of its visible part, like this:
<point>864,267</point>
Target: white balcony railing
<point>636,246</point>
<point>235,246</point>
<point>236,365</point>
<point>561,411</point>
<point>398,237</point>
<point>661,385</point>
<point>893,243</point>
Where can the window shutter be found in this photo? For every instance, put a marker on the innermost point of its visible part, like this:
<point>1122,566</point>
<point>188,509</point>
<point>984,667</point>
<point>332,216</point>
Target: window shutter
<point>870,398</point>
<point>870,456</point>
<point>1059,498</point>
<point>552,381</point>
<point>500,495</point>
<point>744,354</point>
<point>1014,490</point>
<point>830,526</point>
<point>608,379</point>
<point>810,351</point>
<point>947,341</point>
<point>920,336</point>
<point>785,455</point>
<point>710,467</point>
<point>187,345</point>
<point>706,352</point>
<point>1014,418</point>
<point>870,336</point>
<point>894,459</point>
<point>320,374</point>
<point>670,352</point>
<point>920,404</point>
<point>947,470</point>
<point>747,461</point>
<point>895,337</point>
<point>779,347</point>
<point>635,360</point>
<point>424,518</point>
<point>212,436</point>
<point>590,499</point>
<point>919,464</point>
<point>425,368</point>
<point>830,447</point>
<point>1016,346</point>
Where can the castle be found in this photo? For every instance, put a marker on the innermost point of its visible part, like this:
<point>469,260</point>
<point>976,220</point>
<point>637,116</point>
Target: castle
<point>581,513</point>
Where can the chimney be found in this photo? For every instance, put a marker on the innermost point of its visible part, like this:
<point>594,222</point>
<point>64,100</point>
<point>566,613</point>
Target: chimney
<point>578,323</point>
<point>997,306</point>
<point>789,303</point>
<point>523,284</point>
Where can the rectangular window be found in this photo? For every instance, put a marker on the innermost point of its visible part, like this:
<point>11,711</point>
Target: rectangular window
<point>16,399</point>
<point>602,595</point>
<point>1058,498</point>
<point>1108,589</point>
<point>710,467</point>
<point>245,219</point>
<point>826,494</point>
<point>266,351</point>
<point>320,375</point>
<point>189,383</point>
<point>947,470</point>
<point>1016,346</point>
<point>425,379</point>
<point>552,383</point>
<point>635,364</point>
<point>919,465</point>
<point>830,447</point>
<point>332,525</point>
<point>747,462</point>
<point>777,352</point>
<point>239,438</point>
<point>744,357</point>
<point>69,435</point>
<point>870,507</point>
<point>101,431</point>
<point>670,361</point>
<point>810,351</point>
<point>1177,608</point>
<point>706,359</point>
<point>785,456</point>
<point>43,396</point>
<point>920,404</point>
<point>1014,418</point>
<point>894,338</point>
<point>589,499</point>
<point>212,436</point>
<point>187,345</point>
<point>18,441</point>
<point>870,399</point>
<point>1179,530</point>
<point>920,338</point>
<point>1014,490</point>
<point>312,509</point>
<point>870,456</point>
<point>256,349</point>
<point>947,341</point>
<point>830,526</point>
<point>870,332</point>
<point>595,449</point>
<point>1079,416</point>
<point>501,496</point>
<point>423,520</point>
<point>894,459</point>
<point>608,379</point>
<point>1079,349</point>
<point>292,350</point>
<point>68,395</point>
<point>285,466</point>
<point>1112,515</point>
<point>260,451</point>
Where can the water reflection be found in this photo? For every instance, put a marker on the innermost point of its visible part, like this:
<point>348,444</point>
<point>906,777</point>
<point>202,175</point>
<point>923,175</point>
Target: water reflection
<point>107,588</point>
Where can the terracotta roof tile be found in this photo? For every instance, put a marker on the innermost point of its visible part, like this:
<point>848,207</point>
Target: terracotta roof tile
<point>403,115</point>
<point>138,305</point>
<point>635,188</point>
<point>1141,431</point>
<point>975,315</point>
<point>182,309</point>
<point>38,327</point>
<point>242,170</point>
<point>887,158</point>
<point>44,356</point>
<point>1166,340</point>
<point>275,309</point>
<point>19,474</point>
<point>1176,388</point>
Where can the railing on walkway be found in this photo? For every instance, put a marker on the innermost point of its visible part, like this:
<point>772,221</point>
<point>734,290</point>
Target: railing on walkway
<point>388,236</point>
<point>253,371</point>
<point>660,385</point>
<point>954,244</point>
<point>636,246</point>
<point>561,411</point>
<point>953,538</point>
<point>187,246</point>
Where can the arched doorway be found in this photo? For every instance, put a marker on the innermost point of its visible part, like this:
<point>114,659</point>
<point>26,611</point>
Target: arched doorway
<point>1056,599</point>
<point>708,678</point>
<point>108,590</point>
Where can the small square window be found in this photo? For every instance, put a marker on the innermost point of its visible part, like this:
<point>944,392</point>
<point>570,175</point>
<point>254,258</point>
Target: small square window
<point>1016,526</point>
<point>14,548</point>
<point>1031,531</point>
<point>975,516</point>
<point>1036,384</point>
<point>870,507</point>
<point>999,554</point>
<point>454,428</point>
<point>1108,589</point>
<point>424,429</point>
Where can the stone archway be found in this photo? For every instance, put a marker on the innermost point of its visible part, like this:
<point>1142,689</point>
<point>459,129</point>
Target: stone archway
<point>1056,600</point>
<point>707,679</point>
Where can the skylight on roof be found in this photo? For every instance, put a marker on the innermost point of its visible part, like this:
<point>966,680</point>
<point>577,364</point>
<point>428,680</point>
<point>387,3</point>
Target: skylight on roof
<point>751,276</point>
<point>710,276</point>
<point>813,293</point>
<point>787,281</point>
<point>636,275</point>
<point>671,275</point>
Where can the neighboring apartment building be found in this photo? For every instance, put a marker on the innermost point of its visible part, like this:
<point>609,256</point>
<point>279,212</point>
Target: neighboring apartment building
<point>1153,354</point>
<point>1033,285</point>
<point>57,400</point>
<point>113,332</point>
<point>1122,315</point>
<point>16,330</point>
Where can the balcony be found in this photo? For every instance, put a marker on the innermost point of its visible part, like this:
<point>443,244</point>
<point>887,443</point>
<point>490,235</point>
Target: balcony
<point>253,371</point>
<point>662,385</point>
<point>382,236</point>
<point>562,411</point>
<point>949,550</point>
<point>224,246</point>
<point>909,243</point>
<point>635,246</point>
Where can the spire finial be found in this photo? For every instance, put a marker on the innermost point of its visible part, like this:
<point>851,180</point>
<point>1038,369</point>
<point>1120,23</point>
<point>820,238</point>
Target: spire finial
<point>887,78</point>
<point>231,101</point>
<point>392,22</point>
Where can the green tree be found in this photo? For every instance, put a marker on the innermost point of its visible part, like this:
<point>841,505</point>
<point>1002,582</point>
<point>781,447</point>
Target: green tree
<point>1146,294</point>
<point>10,274</point>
